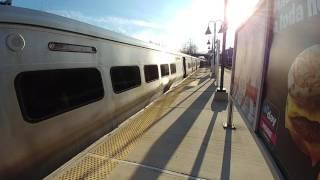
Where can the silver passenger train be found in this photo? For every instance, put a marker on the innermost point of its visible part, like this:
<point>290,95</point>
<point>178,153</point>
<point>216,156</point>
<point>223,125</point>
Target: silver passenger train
<point>64,84</point>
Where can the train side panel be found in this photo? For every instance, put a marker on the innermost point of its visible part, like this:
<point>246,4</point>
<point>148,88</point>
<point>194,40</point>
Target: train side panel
<point>47,139</point>
<point>60,137</point>
<point>34,149</point>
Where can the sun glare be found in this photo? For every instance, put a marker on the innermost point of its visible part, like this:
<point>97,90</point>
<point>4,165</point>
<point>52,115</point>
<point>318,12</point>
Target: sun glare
<point>191,22</point>
<point>238,11</point>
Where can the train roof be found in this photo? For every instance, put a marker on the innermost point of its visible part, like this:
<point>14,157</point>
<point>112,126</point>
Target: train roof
<point>18,15</point>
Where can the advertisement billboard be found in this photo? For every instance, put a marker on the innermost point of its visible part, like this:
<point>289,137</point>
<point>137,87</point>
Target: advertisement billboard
<point>290,112</point>
<point>249,63</point>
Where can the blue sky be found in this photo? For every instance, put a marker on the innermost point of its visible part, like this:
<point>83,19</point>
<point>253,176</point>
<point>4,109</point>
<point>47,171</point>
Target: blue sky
<point>168,22</point>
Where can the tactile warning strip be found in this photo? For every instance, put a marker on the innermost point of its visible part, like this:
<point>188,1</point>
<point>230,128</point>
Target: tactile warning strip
<point>97,163</point>
<point>89,167</point>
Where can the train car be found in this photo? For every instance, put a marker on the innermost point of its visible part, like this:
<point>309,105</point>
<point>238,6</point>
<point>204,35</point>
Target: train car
<point>64,84</point>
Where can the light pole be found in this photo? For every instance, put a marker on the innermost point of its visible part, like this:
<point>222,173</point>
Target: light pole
<point>224,30</point>
<point>229,124</point>
<point>208,32</point>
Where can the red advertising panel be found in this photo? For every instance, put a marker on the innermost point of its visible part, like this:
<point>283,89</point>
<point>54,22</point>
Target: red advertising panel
<point>249,63</point>
<point>290,113</point>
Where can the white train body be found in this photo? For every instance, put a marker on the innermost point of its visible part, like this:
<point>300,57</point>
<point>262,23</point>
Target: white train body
<point>33,46</point>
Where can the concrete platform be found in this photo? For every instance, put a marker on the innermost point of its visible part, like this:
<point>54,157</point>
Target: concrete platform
<point>179,136</point>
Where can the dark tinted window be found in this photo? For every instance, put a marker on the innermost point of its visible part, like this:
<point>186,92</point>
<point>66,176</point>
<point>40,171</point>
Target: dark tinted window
<point>125,77</point>
<point>151,72</point>
<point>46,93</point>
<point>173,68</point>
<point>164,70</point>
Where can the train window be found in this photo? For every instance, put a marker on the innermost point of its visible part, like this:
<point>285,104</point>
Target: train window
<point>189,65</point>
<point>124,78</point>
<point>173,68</point>
<point>164,70</point>
<point>47,93</point>
<point>151,72</point>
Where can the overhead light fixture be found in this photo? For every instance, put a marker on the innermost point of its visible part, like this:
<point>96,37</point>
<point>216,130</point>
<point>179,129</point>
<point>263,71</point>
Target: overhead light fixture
<point>223,28</point>
<point>208,31</point>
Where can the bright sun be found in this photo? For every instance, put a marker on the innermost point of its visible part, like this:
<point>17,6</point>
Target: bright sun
<point>239,10</point>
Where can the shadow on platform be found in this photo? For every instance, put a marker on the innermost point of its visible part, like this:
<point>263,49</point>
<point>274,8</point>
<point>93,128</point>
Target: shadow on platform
<point>180,128</point>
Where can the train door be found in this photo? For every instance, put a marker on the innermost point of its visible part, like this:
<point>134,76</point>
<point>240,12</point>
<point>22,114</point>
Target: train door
<point>184,67</point>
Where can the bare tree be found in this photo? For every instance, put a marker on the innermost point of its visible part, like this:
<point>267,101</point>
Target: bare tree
<point>189,47</point>
<point>6,2</point>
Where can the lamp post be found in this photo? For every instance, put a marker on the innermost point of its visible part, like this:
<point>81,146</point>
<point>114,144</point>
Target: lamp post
<point>208,43</point>
<point>211,63</point>
<point>224,30</point>
<point>208,32</point>
<point>229,124</point>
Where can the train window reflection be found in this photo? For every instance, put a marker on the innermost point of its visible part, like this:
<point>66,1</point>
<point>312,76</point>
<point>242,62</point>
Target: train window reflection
<point>164,70</point>
<point>125,77</point>
<point>47,93</point>
<point>173,68</point>
<point>151,72</point>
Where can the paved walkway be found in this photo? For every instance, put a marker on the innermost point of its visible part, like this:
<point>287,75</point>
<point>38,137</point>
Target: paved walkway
<point>179,136</point>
